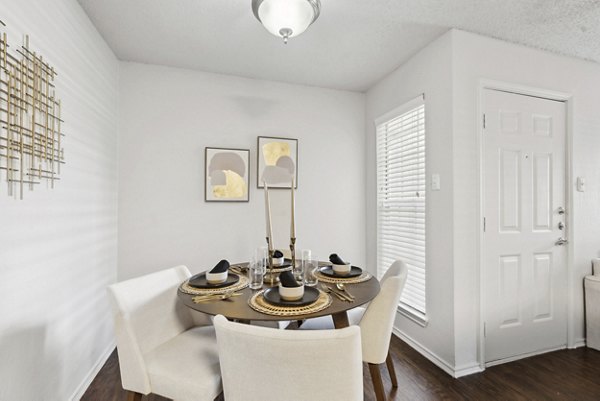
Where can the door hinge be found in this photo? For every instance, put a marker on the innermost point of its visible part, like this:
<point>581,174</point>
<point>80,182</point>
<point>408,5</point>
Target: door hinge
<point>484,329</point>
<point>484,224</point>
<point>483,120</point>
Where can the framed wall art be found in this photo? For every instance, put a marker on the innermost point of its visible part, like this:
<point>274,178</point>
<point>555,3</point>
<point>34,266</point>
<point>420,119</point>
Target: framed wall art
<point>226,175</point>
<point>277,162</point>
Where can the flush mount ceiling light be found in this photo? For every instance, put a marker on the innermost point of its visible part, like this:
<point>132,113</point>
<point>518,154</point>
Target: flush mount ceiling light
<point>286,18</point>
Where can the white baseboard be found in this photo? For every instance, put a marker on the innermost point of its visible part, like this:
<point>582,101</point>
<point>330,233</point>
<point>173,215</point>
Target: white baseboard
<point>523,356</point>
<point>85,383</point>
<point>435,359</point>
<point>468,369</point>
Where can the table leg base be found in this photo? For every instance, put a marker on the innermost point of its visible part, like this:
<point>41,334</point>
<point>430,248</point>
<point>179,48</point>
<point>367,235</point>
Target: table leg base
<point>340,320</point>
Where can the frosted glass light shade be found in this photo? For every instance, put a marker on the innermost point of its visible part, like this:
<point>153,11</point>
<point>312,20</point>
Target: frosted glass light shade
<point>286,17</point>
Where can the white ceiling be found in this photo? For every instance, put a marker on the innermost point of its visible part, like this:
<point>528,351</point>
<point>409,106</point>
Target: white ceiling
<point>351,46</point>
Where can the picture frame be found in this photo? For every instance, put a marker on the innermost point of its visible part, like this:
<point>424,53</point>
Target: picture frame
<point>276,153</point>
<point>226,175</point>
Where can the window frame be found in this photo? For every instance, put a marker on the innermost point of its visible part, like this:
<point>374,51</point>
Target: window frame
<point>405,309</point>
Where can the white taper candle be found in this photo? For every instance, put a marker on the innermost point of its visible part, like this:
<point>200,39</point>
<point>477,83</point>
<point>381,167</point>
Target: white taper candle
<point>293,228</point>
<point>268,217</point>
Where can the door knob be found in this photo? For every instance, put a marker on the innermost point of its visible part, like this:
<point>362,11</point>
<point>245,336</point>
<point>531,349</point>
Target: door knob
<point>561,241</point>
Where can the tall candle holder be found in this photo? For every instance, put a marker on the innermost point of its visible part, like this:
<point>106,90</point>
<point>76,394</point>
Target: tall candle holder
<point>270,251</point>
<point>293,250</point>
<point>293,226</point>
<point>272,277</point>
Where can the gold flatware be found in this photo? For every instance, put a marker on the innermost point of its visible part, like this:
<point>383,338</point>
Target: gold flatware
<point>337,294</point>
<point>226,294</point>
<point>217,297</point>
<point>342,287</point>
<point>327,290</point>
<point>341,293</point>
<point>238,269</point>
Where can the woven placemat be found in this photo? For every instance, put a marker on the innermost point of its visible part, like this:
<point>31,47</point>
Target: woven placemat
<point>259,304</point>
<point>365,276</point>
<point>240,285</point>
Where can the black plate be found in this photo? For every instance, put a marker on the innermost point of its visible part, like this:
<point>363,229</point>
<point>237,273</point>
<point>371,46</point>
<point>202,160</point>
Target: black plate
<point>310,295</point>
<point>328,271</point>
<point>199,281</point>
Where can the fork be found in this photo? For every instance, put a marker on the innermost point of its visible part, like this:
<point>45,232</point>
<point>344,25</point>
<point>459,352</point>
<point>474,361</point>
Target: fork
<point>329,290</point>
<point>219,297</point>
<point>238,269</point>
<point>343,294</point>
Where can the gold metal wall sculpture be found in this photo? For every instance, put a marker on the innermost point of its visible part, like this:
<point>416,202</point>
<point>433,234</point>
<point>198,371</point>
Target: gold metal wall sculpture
<point>30,124</point>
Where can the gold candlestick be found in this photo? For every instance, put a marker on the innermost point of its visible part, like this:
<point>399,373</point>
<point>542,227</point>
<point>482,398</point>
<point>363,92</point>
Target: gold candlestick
<point>293,249</point>
<point>293,228</point>
<point>270,262</point>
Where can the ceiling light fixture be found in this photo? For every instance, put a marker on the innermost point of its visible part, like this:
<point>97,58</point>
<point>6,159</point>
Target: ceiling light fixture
<point>286,18</point>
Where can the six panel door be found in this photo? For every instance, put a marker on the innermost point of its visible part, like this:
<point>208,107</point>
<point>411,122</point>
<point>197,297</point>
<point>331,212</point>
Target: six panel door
<point>525,269</point>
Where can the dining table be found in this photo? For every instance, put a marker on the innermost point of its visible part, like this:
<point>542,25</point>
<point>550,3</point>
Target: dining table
<point>238,309</point>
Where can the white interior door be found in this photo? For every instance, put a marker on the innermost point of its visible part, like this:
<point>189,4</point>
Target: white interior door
<point>524,208</point>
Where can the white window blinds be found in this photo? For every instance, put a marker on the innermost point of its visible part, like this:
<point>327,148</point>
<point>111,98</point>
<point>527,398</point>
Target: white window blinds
<point>401,198</point>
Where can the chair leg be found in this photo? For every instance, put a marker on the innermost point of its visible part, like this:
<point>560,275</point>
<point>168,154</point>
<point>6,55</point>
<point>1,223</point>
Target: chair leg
<point>377,382</point>
<point>133,396</point>
<point>391,370</point>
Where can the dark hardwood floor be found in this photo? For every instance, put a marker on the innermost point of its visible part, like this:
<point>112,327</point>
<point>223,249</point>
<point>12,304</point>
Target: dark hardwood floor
<point>572,375</point>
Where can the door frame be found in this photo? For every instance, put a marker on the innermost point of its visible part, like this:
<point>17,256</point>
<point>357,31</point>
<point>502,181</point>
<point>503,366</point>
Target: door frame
<point>567,98</point>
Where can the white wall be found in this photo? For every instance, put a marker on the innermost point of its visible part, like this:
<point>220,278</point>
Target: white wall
<point>427,72</point>
<point>449,72</point>
<point>58,247</point>
<point>168,116</point>
<point>475,58</point>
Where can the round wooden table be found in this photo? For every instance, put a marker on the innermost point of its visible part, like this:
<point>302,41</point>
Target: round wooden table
<point>237,308</point>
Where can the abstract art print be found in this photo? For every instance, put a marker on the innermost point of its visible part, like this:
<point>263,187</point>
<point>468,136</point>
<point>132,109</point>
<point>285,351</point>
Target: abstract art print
<point>277,162</point>
<point>226,175</point>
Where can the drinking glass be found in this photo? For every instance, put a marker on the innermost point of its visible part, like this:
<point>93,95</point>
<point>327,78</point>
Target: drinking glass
<point>256,273</point>
<point>262,255</point>
<point>299,270</point>
<point>310,269</point>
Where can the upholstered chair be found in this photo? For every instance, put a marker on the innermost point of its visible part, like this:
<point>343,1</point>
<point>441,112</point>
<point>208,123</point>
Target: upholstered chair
<point>592,310</point>
<point>162,348</point>
<point>376,323</point>
<point>264,364</point>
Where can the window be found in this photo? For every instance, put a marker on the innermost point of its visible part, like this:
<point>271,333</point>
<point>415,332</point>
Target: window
<point>401,200</point>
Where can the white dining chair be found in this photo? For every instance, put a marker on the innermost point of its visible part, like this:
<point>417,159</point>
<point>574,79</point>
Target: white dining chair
<point>376,323</point>
<point>263,364</point>
<point>164,347</point>
<point>592,310</point>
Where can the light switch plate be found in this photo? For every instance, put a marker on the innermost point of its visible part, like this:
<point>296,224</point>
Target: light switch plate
<point>435,182</point>
<point>580,184</point>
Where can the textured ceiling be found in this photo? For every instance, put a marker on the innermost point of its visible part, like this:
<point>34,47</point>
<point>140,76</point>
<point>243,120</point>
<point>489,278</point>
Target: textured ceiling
<point>352,45</point>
